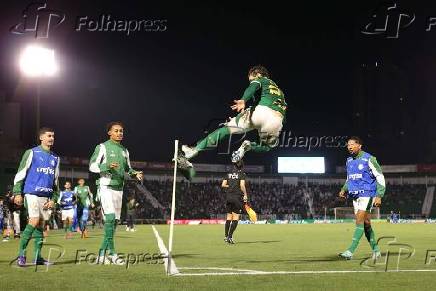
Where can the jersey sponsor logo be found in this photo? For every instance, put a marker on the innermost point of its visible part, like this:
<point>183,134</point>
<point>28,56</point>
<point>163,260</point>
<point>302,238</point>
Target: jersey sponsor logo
<point>47,171</point>
<point>43,189</point>
<point>233,176</point>
<point>355,176</point>
<point>52,162</point>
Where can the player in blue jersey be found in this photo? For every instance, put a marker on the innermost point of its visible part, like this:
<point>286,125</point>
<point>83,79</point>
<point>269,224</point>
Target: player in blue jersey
<point>66,201</point>
<point>366,186</point>
<point>37,181</point>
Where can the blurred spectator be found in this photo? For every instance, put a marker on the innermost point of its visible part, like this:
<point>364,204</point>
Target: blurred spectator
<point>275,200</point>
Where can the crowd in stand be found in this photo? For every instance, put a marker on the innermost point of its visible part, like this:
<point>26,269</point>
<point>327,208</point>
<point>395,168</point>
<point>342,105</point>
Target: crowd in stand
<point>207,200</point>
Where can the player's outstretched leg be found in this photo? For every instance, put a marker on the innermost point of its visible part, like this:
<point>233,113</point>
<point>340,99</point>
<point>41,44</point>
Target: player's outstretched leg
<point>240,153</point>
<point>211,140</point>
<point>24,241</point>
<point>268,141</point>
<point>358,233</point>
<point>185,166</point>
<point>249,146</point>
<point>187,153</point>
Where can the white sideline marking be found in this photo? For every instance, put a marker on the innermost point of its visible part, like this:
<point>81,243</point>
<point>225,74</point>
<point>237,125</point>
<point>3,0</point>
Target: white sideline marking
<point>163,250</point>
<point>231,271</point>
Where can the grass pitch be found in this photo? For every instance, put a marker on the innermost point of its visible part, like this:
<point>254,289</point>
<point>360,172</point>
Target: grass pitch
<point>274,257</point>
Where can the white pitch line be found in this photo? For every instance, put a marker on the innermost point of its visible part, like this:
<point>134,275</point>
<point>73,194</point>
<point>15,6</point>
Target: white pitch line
<point>251,272</point>
<point>163,250</point>
<point>216,268</point>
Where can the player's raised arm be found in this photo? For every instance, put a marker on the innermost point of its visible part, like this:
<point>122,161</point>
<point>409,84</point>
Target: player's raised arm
<point>251,89</point>
<point>248,95</point>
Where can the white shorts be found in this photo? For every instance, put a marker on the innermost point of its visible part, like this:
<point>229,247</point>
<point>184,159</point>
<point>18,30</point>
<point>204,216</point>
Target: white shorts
<point>35,207</point>
<point>263,118</point>
<point>68,213</point>
<point>363,203</point>
<point>111,201</point>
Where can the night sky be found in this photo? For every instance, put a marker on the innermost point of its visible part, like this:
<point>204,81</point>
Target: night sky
<point>170,84</point>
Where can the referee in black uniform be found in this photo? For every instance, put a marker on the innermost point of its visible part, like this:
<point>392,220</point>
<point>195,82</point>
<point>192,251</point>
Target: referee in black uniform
<point>234,187</point>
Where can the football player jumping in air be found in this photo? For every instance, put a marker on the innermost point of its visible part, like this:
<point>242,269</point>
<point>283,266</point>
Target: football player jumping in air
<point>265,115</point>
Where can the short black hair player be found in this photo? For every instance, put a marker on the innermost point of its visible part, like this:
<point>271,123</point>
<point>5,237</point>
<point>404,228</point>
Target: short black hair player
<point>234,187</point>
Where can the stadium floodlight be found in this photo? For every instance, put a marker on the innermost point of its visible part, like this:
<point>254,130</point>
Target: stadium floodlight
<point>37,61</point>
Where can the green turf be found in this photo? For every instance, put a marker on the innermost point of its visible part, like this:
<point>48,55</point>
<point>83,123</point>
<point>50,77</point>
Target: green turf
<point>290,248</point>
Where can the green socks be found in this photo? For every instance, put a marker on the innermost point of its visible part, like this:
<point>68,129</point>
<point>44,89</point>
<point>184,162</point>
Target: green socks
<point>24,240</point>
<point>108,239</point>
<point>66,226</point>
<point>213,138</point>
<point>356,237</point>
<point>259,148</point>
<point>370,236</point>
<point>38,236</point>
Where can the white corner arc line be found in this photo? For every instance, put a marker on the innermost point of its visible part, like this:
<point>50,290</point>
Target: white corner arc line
<point>163,250</point>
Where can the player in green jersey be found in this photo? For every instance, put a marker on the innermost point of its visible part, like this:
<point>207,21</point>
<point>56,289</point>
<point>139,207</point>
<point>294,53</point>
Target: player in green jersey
<point>111,160</point>
<point>85,200</point>
<point>265,115</point>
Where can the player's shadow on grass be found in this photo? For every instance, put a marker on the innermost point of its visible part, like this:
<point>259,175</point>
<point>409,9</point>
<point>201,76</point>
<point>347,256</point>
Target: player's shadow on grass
<point>259,242</point>
<point>68,262</point>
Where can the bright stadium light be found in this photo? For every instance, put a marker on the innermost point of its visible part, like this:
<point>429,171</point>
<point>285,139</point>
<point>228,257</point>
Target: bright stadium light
<point>36,61</point>
<point>301,165</point>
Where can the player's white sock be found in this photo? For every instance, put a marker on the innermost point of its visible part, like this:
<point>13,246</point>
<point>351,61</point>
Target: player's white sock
<point>116,260</point>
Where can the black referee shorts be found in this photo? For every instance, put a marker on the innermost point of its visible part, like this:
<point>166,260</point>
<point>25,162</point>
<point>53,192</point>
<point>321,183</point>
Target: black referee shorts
<point>234,204</point>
